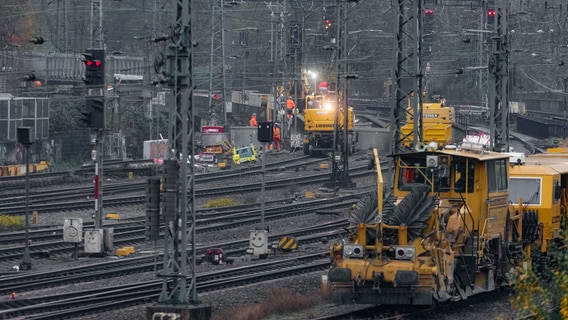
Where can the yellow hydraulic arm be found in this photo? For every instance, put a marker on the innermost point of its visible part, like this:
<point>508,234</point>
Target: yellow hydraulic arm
<point>380,181</point>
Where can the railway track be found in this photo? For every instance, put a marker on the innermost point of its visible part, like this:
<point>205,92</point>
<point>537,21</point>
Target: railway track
<point>145,168</point>
<point>210,220</point>
<point>28,282</point>
<point>89,301</point>
<point>65,201</point>
<point>49,242</point>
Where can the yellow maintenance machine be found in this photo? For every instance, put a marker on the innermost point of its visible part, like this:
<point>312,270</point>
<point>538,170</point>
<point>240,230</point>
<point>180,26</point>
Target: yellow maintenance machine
<point>437,119</point>
<point>238,154</point>
<point>244,154</point>
<point>222,151</point>
<point>446,232</point>
<point>319,122</point>
<point>539,188</point>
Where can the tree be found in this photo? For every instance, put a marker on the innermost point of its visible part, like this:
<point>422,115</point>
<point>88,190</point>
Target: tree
<point>65,112</point>
<point>543,293</point>
<point>138,126</point>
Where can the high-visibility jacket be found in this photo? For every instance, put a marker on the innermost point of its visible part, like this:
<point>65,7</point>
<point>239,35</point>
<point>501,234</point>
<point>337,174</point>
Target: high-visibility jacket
<point>276,133</point>
<point>290,104</point>
<point>252,121</point>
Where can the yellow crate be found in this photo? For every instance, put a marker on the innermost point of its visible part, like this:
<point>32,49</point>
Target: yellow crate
<point>124,251</point>
<point>113,216</point>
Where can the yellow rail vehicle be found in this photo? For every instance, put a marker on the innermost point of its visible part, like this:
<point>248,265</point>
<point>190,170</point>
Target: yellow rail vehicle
<point>447,232</point>
<point>319,124</point>
<point>540,188</point>
<point>437,121</point>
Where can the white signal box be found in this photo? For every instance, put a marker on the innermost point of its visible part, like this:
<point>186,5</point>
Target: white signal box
<point>94,241</point>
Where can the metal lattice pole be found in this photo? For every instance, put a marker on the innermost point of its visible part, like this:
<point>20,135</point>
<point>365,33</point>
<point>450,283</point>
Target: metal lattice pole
<point>408,70</point>
<point>97,36</point>
<point>175,290</point>
<point>498,90</point>
<point>340,169</point>
<point>216,61</point>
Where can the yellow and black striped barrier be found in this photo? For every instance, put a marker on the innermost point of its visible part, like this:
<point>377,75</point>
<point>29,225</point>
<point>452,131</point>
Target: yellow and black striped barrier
<point>287,244</point>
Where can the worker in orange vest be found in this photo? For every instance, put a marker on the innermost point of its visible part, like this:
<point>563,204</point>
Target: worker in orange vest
<point>252,121</point>
<point>276,135</point>
<point>290,105</point>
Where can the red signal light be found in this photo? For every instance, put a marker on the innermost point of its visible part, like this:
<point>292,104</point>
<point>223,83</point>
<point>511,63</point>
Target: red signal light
<point>428,11</point>
<point>491,13</point>
<point>218,252</point>
<point>91,63</point>
<point>209,251</point>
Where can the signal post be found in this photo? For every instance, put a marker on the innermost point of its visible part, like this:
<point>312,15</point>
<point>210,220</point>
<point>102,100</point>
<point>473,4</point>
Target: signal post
<point>94,118</point>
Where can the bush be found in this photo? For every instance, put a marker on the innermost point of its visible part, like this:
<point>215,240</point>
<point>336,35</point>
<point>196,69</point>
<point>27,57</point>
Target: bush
<point>11,222</point>
<point>223,202</point>
<point>543,292</point>
<point>279,301</point>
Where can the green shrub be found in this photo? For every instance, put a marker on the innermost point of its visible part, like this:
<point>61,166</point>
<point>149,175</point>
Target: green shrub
<point>223,202</point>
<point>543,291</point>
<point>11,222</point>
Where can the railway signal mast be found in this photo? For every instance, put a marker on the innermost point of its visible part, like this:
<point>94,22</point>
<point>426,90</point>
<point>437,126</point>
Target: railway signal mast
<point>499,83</point>
<point>340,162</point>
<point>178,299</point>
<point>408,70</point>
<point>94,117</point>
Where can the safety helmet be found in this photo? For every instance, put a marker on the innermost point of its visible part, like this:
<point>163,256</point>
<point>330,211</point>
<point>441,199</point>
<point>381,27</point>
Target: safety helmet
<point>277,124</point>
<point>254,114</point>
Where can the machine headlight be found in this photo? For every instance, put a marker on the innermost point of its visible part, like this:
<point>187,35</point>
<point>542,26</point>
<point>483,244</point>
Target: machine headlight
<point>405,253</point>
<point>353,251</point>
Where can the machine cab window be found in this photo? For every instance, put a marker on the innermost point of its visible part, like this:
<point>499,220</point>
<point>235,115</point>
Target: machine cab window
<point>464,176</point>
<point>430,170</point>
<point>314,102</point>
<point>438,172</point>
<point>497,175</point>
<point>244,152</point>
